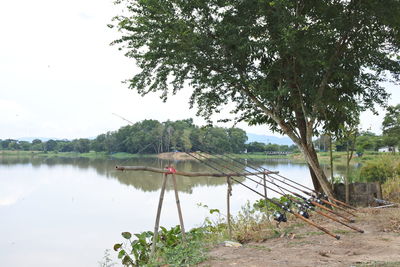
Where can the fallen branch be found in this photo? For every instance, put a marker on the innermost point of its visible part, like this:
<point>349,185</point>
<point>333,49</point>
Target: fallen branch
<point>387,206</point>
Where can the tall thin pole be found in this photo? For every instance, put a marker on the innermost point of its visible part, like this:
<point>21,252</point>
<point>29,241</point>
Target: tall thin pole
<point>228,205</point>
<point>178,205</point>
<point>331,159</point>
<point>265,193</point>
<point>157,224</point>
<point>265,188</point>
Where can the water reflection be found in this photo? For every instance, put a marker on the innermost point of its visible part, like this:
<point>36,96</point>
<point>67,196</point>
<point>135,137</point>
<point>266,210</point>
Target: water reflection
<point>149,182</point>
<point>67,211</point>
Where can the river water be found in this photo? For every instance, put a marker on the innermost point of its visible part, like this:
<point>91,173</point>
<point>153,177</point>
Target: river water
<point>67,212</point>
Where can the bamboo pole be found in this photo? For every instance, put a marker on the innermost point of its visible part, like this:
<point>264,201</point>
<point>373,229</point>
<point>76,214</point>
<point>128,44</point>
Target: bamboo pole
<point>157,224</point>
<point>332,211</point>
<point>265,188</point>
<point>178,205</point>
<point>339,221</point>
<point>228,205</point>
<point>316,225</point>
<point>336,206</point>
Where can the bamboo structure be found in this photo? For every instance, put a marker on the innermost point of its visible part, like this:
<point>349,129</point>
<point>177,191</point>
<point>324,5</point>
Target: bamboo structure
<point>189,174</point>
<point>170,170</point>
<point>302,202</point>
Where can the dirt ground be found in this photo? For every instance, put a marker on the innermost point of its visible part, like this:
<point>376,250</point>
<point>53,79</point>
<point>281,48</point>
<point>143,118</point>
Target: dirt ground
<point>307,246</point>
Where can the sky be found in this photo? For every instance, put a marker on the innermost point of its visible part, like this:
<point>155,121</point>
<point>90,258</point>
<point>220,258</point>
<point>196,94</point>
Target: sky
<point>60,78</point>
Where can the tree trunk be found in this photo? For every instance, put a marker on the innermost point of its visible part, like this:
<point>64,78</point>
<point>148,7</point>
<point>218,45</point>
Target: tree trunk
<point>347,189</point>
<point>303,139</point>
<point>312,160</point>
<point>316,183</point>
<point>331,159</point>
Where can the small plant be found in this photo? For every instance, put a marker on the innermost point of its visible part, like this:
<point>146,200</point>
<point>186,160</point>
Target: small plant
<point>170,248</point>
<point>267,206</point>
<point>139,248</point>
<point>107,261</point>
<point>188,253</point>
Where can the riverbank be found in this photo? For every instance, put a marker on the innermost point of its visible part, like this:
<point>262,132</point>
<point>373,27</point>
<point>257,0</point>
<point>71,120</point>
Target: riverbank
<point>303,246</point>
<point>53,154</point>
<point>338,157</point>
<point>257,241</point>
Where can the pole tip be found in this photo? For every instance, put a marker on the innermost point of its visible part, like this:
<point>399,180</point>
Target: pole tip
<point>337,237</point>
<point>352,220</point>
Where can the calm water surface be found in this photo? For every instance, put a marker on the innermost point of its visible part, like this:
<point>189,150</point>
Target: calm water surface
<point>67,212</point>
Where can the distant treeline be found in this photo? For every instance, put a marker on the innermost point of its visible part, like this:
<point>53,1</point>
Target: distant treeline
<point>363,141</point>
<point>152,136</point>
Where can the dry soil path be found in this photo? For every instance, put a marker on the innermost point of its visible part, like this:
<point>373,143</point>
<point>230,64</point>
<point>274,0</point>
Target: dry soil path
<point>307,247</point>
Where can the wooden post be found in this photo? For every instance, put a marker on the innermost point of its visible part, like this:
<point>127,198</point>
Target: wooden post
<point>265,188</point>
<point>228,205</point>
<point>178,206</point>
<point>378,190</point>
<point>160,201</point>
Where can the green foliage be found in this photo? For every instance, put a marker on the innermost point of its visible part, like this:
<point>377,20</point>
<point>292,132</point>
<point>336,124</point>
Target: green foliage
<point>188,253</point>
<point>380,170</point>
<point>391,188</point>
<point>261,147</point>
<point>231,51</point>
<point>391,121</point>
<point>170,248</point>
<point>391,127</point>
<point>145,137</point>
<point>367,141</point>
<point>139,248</point>
<point>253,223</point>
<point>267,206</point>
<point>298,66</point>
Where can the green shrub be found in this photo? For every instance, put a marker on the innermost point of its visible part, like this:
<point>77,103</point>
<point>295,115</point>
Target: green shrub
<point>136,250</point>
<point>381,170</point>
<point>391,189</point>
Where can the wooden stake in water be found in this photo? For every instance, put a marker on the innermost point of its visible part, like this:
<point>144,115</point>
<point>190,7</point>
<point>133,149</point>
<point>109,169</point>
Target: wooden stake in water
<point>178,206</point>
<point>160,201</point>
<point>228,205</point>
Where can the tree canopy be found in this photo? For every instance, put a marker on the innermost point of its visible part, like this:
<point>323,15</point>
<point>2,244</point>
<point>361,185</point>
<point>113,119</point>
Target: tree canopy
<point>391,126</point>
<point>146,137</point>
<point>297,66</point>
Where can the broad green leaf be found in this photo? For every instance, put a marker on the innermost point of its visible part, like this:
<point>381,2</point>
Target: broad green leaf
<point>126,235</point>
<point>117,246</point>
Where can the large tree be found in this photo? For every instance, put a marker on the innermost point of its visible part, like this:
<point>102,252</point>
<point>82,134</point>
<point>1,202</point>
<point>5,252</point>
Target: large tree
<point>298,66</point>
<point>391,127</point>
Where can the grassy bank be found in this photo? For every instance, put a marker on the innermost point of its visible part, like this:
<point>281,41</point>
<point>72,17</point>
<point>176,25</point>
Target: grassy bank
<point>258,235</point>
<point>338,157</point>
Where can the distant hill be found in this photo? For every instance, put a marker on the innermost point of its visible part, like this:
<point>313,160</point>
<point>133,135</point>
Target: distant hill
<point>30,139</point>
<point>269,139</point>
<point>43,139</point>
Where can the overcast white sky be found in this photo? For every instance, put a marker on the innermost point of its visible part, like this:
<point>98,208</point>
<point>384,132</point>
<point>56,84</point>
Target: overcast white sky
<point>60,78</point>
